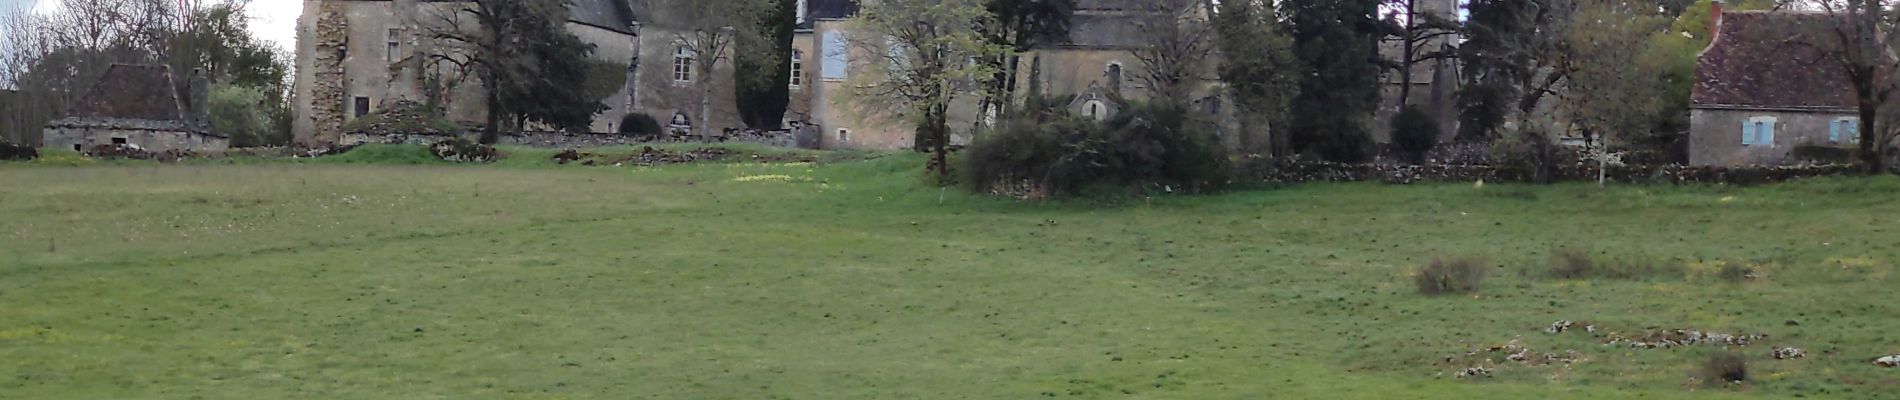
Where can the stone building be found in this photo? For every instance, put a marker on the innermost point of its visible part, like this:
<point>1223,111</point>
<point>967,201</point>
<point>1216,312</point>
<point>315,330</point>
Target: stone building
<point>1096,70</point>
<point>826,62</point>
<point>139,106</point>
<point>353,56</point>
<point>1765,87</point>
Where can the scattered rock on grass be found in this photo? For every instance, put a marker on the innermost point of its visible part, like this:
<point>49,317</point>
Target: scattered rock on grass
<point>1788,353</point>
<point>1892,361</point>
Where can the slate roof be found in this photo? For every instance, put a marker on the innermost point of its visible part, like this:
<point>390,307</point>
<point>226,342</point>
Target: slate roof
<point>1103,31</point>
<point>1773,60</point>
<point>613,15</point>
<point>131,91</point>
<point>830,9</point>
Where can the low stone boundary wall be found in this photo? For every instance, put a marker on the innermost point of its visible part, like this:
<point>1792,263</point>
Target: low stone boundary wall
<point>1301,171</point>
<point>803,138</point>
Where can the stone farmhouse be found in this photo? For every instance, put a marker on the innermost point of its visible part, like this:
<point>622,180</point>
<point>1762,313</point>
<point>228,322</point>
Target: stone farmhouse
<point>139,106</point>
<point>1766,87</point>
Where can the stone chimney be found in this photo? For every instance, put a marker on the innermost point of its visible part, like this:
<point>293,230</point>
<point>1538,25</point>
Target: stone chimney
<point>1715,19</point>
<point>200,87</point>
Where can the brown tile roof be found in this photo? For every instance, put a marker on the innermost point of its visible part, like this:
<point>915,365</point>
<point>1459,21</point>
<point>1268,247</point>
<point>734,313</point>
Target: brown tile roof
<point>1773,60</point>
<point>131,91</point>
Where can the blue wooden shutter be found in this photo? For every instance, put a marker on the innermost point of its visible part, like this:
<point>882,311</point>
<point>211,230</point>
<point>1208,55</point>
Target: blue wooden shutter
<point>1767,131</point>
<point>1851,128</point>
<point>836,56</point>
<point>1748,132</point>
<point>1834,130</point>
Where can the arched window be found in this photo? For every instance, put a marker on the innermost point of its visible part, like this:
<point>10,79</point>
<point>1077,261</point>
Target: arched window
<point>1095,110</point>
<point>1115,77</point>
<point>798,68</point>
<point>683,64</point>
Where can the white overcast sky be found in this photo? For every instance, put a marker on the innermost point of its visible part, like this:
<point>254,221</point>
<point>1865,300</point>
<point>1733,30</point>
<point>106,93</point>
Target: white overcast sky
<point>275,21</point>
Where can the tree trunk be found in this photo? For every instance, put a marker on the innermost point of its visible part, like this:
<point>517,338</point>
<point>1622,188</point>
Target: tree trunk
<point>940,138</point>
<point>1869,140</point>
<point>705,108</point>
<point>492,133</point>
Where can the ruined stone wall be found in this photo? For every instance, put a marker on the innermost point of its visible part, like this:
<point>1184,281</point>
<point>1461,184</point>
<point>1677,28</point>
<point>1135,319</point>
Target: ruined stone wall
<point>157,137</point>
<point>797,138</point>
<point>323,43</point>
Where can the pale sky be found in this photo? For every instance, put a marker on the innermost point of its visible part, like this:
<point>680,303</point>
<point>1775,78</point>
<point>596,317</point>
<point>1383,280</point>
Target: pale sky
<point>275,21</point>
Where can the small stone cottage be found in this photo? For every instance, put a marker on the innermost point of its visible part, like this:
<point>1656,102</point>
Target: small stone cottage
<point>1767,90</point>
<point>135,105</point>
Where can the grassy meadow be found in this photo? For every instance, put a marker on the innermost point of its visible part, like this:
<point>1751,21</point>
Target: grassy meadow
<point>355,278</point>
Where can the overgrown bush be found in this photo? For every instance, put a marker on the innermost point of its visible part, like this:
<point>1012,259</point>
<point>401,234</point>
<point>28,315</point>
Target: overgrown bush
<point>13,152</point>
<point>464,151</point>
<point>1733,272</point>
<point>404,117</point>
<point>1146,148</point>
<point>1724,368</point>
<point>1569,263</point>
<point>1414,133</point>
<point>639,124</point>
<point>1455,276</point>
<point>244,115</point>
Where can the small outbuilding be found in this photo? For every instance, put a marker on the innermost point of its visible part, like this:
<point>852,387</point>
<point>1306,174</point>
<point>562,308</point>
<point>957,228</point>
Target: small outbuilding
<point>139,106</point>
<point>1767,91</point>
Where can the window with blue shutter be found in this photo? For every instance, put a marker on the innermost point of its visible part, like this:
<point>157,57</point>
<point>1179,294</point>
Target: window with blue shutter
<point>1759,131</point>
<point>835,57</point>
<point>1844,130</point>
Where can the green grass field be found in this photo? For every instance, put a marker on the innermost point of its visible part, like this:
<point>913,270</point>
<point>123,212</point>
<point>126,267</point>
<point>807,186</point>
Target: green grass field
<point>852,280</point>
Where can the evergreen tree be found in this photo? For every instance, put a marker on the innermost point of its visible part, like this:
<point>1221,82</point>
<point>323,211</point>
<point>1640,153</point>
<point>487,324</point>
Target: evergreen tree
<point>763,90</point>
<point>1336,42</point>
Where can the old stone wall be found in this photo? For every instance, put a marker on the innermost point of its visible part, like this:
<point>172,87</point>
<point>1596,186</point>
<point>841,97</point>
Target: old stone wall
<point>323,40</point>
<point>1715,135</point>
<point>150,136</point>
<point>804,138</point>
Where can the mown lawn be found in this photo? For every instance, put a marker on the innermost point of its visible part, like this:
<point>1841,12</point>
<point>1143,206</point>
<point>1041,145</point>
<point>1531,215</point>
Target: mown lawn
<point>852,280</point>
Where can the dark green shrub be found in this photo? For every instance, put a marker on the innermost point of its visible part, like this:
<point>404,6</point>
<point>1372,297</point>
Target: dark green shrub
<point>12,152</point>
<point>1414,133</point>
<point>1725,368</point>
<point>1456,276</point>
<point>638,124</point>
<point>1568,263</point>
<point>1143,149</point>
<point>1734,272</point>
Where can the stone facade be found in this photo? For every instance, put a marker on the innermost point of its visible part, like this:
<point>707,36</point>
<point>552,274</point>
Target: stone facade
<point>354,56</point>
<point>82,134</point>
<point>1719,135</point>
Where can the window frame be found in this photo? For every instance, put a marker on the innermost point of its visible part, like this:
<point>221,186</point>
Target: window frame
<point>683,58</point>
<point>798,69</point>
<point>1759,131</point>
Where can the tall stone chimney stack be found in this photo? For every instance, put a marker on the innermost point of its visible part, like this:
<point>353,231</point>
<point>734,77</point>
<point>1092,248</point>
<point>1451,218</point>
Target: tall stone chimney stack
<point>1715,18</point>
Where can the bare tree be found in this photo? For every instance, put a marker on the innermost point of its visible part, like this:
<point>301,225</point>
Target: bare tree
<point>1176,43</point>
<point>54,57</point>
<point>1862,31</point>
<point>923,56</point>
<point>708,30</point>
<point>1421,36</point>
<point>496,40</point>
